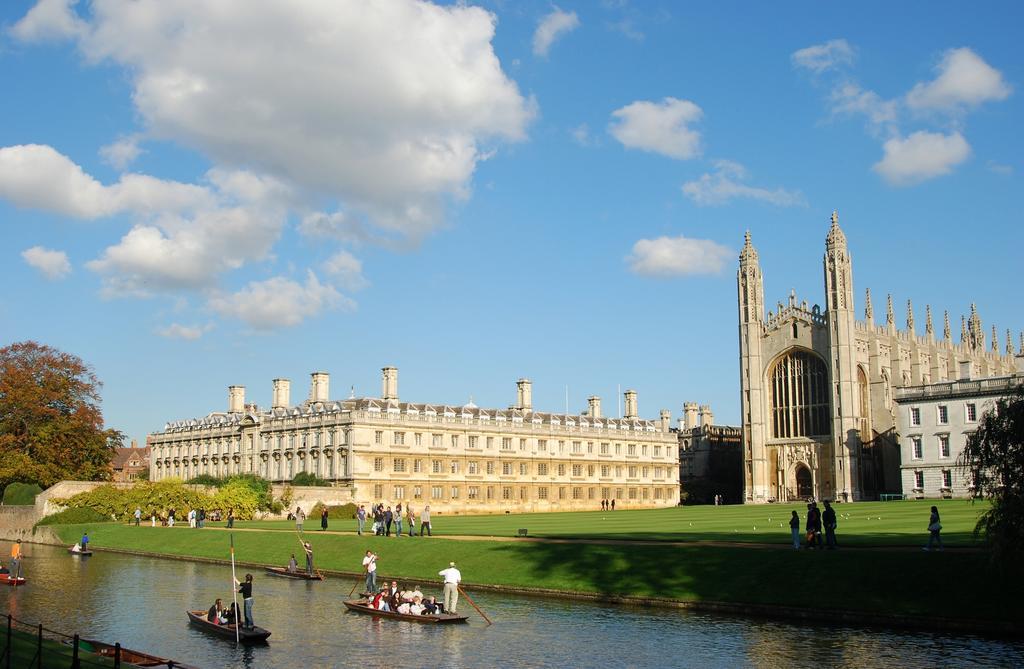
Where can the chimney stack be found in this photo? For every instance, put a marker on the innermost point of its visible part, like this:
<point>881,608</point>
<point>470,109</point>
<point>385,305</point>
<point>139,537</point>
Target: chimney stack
<point>630,397</point>
<point>236,399</point>
<point>707,419</point>
<point>689,415</point>
<point>595,406</point>
<point>319,387</point>
<point>389,383</point>
<point>666,420</point>
<point>282,394</point>
<point>524,395</point>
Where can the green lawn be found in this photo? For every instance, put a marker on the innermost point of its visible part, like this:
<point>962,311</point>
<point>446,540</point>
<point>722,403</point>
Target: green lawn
<point>861,524</point>
<point>954,584</point>
<point>25,652</point>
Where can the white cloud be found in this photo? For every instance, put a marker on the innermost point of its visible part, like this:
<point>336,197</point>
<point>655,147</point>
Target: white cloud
<point>347,271</point>
<point>822,57</point>
<point>384,107</point>
<point>921,156</point>
<point>121,153</point>
<point>339,227</point>
<point>964,80</point>
<point>49,20</point>
<point>54,265</point>
<point>279,302</point>
<point>659,127</point>
<point>187,332</point>
<point>724,185</point>
<point>552,27</point>
<point>849,98</point>
<point>999,168</point>
<point>581,135</point>
<point>678,256</point>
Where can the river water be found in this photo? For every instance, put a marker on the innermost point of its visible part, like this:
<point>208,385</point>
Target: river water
<point>141,603</point>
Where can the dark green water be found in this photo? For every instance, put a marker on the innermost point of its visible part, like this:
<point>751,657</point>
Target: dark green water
<point>141,603</point>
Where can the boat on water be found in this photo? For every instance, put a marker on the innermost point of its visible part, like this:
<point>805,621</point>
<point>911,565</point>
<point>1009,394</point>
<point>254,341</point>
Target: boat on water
<point>300,575</point>
<point>360,606</point>
<point>7,579</point>
<point>254,635</point>
<point>80,553</point>
<point>133,657</point>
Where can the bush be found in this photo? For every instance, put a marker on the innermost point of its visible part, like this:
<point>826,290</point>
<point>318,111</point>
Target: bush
<point>75,516</point>
<point>307,479</point>
<point>23,494</point>
<point>341,512</point>
<point>243,494</point>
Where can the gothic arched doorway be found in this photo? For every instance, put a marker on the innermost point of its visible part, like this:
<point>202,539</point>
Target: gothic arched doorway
<point>804,486</point>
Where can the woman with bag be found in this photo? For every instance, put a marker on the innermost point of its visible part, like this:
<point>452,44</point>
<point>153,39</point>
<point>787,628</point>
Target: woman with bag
<point>934,527</point>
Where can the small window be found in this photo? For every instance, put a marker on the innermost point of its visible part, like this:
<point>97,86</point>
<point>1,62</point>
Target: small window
<point>542,469</point>
<point>435,466</point>
<point>417,491</point>
<point>916,446</point>
<point>919,480</point>
<point>915,416</point>
<point>378,437</point>
<point>417,466</point>
<point>524,468</point>
<point>506,443</point>
<point>473,492</point>
<point>378,464</point>
<point>490,442</point>
<point>490,467</point>
<point>561,470</point>
<point>435,440</point>
<point>399,439</point>
<point>971,411</point>
<point>418,439</point>
<point>943,414</point>
<point>473,442</point>
<point>542,445</point>
<point>455,441</point>
<point>398,465</point>
<point>947,478</point>
<point>436,492</point>
<point>943,445</point>
<point>506,468</point>
<point>455,492</point>
<point>542,493</point>
<point>399,492</point>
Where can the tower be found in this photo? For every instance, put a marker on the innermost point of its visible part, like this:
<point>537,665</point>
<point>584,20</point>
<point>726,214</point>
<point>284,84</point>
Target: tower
<point>842,368</point>
<point>750,288</point>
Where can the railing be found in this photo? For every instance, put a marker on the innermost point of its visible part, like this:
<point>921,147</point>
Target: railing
<point>32,646</point>
<point>997,384</point>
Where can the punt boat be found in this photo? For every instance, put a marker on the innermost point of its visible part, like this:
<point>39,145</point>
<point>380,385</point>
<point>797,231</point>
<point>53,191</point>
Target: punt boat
<point>361,607</point>
<point>300,575</point>
<point>254,635</point>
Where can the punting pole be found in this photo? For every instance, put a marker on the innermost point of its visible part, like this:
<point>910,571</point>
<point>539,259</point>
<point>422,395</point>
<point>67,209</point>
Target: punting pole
<point>234,586</point>
<point>474,604</point>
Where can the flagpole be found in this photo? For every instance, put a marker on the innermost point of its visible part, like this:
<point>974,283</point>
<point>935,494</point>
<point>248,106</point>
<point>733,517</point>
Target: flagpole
<point>234,585</point>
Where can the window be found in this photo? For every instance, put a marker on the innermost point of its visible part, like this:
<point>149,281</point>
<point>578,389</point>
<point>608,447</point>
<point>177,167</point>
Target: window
<point>455,466</point>
<point>605,493</point>
<point>542,493</point>
<point>577,447</point>
<point>915,416</point>
<point>657,451</point>
<point>436,492</point>
<point>417,466</point>
<point>618,473</point>
<point>943,414</point>
<point>947,478</point>
<point>490,467</point>
<point>435,440</point>
<point>455,441</point>
<point>378,437</point>
<point>473,492</point>
<point>473,442</point>
<point>643,449</point>
<point>561,493</point>
<point>604,448</point>
<point>971,411</point>
<point>506,492</point>
<point>919,480</point>
<point>472,467</point>
<point>631,449</point>
<point>632,471</point>
<point>399,439</point>
<point>506,443</point>
<point>399,492</point>
<point>417,491</point>
<point>417,439</point>
<point>916,447</point>
<point>455,492</point>
<point>524,468</point>
<point>590,447</point>
<point>522,494</point>
<point>490,492</point>
<point>435,466</point>
<point>398,465</point>
<point>644,472</point>
<point>561,470</point>
<point>522,444</point>
<point>577,470</point>
<point>542,469</point>
<point>490,442</point>
<point>561,446</point>
<point>590,470</point>
<point>542,445</point>
<point>943,445</point>
<point>605,470</point>
<point>378,464</point>
<point>632,493</point>
<point>577,493</point>
<point>506,468</point>
<point>618,449</point>
<point>378,491</point>
<point>799,396</point>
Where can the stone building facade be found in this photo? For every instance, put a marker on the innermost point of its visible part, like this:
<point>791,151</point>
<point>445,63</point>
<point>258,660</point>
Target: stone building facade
<point>457,459</point>
<point>128,463</point>
<point>818,385</point>
<point>934,422</point>
<point>710,457</point>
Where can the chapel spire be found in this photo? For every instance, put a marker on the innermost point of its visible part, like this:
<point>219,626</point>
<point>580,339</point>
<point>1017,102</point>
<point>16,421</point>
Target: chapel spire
<point>928,329</point>
<point>890,315</point>
<point>963,329</point>
<point>995,339</point>
<point>976,337</point>
<point>910,318</point>
<point>869,312</point>
<point>1009,342</point>
<point>945,326</point>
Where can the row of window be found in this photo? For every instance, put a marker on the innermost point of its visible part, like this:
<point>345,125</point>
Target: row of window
<point>917,447</point>
<point>402,465</point>
<point>511,493</point>
<point>942,414</point>
<point>473,441</point>
<point>947,479</point>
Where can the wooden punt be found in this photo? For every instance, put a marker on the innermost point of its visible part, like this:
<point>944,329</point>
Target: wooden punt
<point>300,575</point>
<point>361,607</point>
<point>254,635</point>
<point>80,553</point>
<point>132,657</point>
<point>7,579</point>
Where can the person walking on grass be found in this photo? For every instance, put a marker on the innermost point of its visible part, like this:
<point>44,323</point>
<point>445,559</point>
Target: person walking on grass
<point>452,578</point>
<point>794,528</point>
<point>360,519</point>
<point>299,517</point>
<point>828,519</point>
<point>425,521</point>
<point>398,520</point>
<point>231,518</point>
<point>934,527</point>
<point>412,519</point>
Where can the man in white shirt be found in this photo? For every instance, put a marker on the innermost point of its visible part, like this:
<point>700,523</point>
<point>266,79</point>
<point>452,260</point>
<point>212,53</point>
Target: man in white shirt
<point>370,567</point>
<point>452,578</point>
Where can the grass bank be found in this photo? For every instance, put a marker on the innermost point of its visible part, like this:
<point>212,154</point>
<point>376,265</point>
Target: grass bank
<point>25,651</point>
<point>861,524</point>
<point>949,585</point>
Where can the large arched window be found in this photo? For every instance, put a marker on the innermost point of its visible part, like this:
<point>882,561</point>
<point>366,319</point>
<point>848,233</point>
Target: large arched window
<point>799,392</point>
<point>865,404</point>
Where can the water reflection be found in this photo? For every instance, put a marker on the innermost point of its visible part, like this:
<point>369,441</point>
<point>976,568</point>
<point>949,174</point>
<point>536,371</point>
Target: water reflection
<point>141,602</point>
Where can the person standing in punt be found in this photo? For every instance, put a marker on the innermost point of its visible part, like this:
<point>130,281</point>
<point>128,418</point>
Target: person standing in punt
<point>309,557</point>
<point>85,542</point>
<point>16,558</point>
<point>245,589</point>
<point>452,578</point>
<point>370,569</point>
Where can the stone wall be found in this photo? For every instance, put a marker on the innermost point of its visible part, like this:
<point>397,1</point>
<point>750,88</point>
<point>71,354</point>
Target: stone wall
<point>16,522</point>
<point>306,497</point>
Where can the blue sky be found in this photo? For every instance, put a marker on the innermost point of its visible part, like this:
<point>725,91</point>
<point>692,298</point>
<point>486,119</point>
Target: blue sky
<point>195,195</point>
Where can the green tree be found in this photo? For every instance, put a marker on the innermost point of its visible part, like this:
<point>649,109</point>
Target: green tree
<point>993,462</point>
<point>51,426</point>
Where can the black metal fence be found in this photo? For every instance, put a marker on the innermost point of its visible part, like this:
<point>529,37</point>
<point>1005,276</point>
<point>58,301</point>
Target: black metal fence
<point>32,646</point>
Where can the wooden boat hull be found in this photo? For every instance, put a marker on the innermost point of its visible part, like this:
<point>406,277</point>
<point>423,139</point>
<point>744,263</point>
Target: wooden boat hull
<point>361,607</point>
<point>80,553</point>
<point>7,579</point>
<point>298,575</point>
<point>254,635</point>
<point>133,657</point>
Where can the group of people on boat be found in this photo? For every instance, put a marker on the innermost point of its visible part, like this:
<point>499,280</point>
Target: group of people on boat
<point>293,565</point>
<point>408,602</point>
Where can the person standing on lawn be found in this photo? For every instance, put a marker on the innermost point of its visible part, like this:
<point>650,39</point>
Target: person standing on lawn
<point>425,521</point>
<point>398,520</point>
<point>828,519</point>
<point>934,527</point>
<point>412,519</point>
<point>794,528</point>
<point>138,516</point>
<point>299,517</point>
<point>323,520</point>
<point>360,519</point>
<point>452,578</point>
